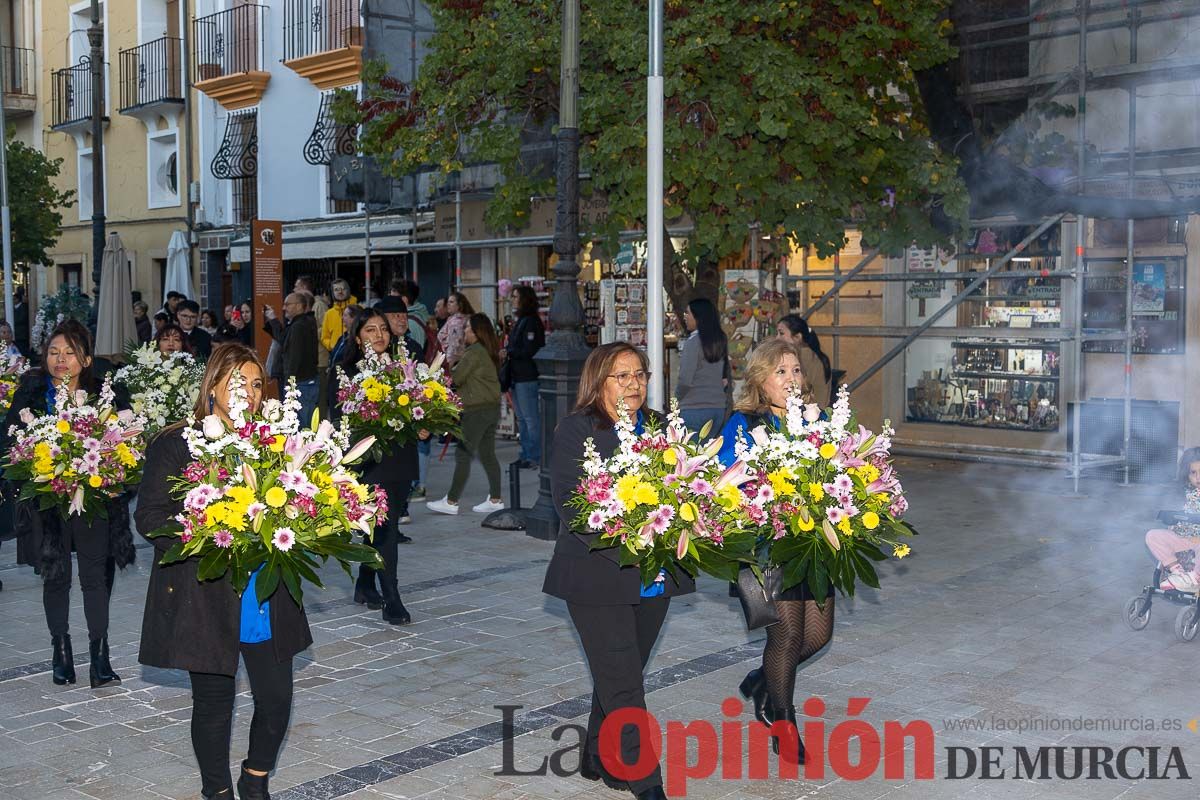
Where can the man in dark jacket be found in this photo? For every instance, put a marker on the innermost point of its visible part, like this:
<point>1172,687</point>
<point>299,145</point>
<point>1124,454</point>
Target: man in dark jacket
<point>188,314</point>
<point>298,349</point>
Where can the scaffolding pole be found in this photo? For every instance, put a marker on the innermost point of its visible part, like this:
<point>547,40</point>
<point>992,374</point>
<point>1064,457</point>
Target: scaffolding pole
<point>839,282</point>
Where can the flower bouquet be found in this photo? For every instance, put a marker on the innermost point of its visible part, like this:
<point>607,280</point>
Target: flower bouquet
<point>162,388</point>
<point>268,493</point>
<point>11,369</point>
<point>394,399</point>
<point>79,457</point>
<point>665,501</point>
<point>836,500</point>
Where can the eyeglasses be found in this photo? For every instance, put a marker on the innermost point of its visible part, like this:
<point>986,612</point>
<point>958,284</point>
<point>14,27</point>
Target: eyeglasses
<point>626,379</point>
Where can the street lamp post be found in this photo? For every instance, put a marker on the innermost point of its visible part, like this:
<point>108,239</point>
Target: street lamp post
<point>655,322</point>
<point>560,362</point>
<point>95,36</point>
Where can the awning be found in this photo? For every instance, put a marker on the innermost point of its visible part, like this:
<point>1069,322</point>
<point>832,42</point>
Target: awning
<point>238,155</point>
<point>332,239</point>
<point>329,138</point>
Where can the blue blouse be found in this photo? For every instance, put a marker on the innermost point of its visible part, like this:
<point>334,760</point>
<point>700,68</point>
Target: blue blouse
<point>256,620</point>
<point>730,435</point>
<point>51,394</point>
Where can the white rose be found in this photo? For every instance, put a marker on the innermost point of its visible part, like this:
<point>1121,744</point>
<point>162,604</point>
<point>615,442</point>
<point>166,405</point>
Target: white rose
<point>214,428</point>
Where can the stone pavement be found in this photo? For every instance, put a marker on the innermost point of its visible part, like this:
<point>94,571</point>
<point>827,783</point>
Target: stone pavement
<point>1010,608</point>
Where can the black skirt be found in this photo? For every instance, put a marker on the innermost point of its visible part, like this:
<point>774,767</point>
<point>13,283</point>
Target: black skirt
<point>801,592</point>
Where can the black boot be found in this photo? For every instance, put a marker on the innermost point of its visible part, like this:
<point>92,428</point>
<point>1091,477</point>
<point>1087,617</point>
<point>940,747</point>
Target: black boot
<point>64,660</point>
<point>789,715</point>
<point>754,686</point>
<point>653,793</point>
<point>365,592</point>
<point>101,673</point>
<point>220,794</point>
<point>252,787</point>
<point>394,611</point>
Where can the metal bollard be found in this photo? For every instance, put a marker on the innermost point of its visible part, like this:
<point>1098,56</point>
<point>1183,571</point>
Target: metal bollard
<point>514,487</point>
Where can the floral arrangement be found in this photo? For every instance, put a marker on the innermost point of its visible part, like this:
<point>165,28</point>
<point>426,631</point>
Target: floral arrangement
<point>162,388</point>
<point>835,497</point>
<point>67,303</point>
<point>79,457</point>
<point>270,494</point>
<point>665,501</point>
<point>394,399</point>
<point>12,367</point>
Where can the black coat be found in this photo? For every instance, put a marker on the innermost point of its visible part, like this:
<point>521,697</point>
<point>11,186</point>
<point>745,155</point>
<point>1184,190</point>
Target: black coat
<point>526,338</point>
<point>400,467</point>
<point>577,573</point>
<point>188,624</point>
<point>40,542</point>
<point>297,346</point>
<point>201,343</point>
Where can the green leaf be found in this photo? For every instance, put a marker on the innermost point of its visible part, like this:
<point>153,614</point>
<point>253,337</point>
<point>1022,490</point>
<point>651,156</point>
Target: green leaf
<point>212,565</point>
<point>267,581</point>
<point>173,555</point>
<point>292,582</point>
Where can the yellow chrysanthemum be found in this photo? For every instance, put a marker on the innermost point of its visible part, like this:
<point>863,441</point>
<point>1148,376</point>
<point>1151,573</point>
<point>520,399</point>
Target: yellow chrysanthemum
<point>646,494</point>
<point>321,478</point>
<point>626,490</point>
<point>276,497</point>
<point>43,466</point>
<point>125,455</point>
<point>373,390</point>
<point>844,526</point>
<point>816,491</point>
<point>429,393</point>
<point>360,491</point>
<point>403,400</point>
<point>63,426</point>
<point>94,481</point>
<point>870,520</point>
<point>805,524</point>
<point>41,450</point>
<point>901,551</point>
<point>670,457</point>
<point>828,450</point>
<point>780,483</point>
<point>240,495</point>
<point>730,497</point>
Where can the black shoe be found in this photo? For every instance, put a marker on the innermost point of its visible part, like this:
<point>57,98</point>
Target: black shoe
<point>252,787</point>
<point>64,661</point>
<point>653,793</point>
<point>402,539</point>
<point>101,672</point>
<point>520,463</point>
<point>220,794</point>
<point>591,769</point>
<point>365,592</point>
<point>394,612</point>
<point>532,465</point>
<point>754,686</point>
<point>789,715</point>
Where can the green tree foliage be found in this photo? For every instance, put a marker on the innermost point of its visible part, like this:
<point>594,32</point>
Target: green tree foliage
<point>801,116</point>
<point>34,202</point>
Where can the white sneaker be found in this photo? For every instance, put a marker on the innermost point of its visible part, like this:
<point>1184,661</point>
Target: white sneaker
<point>443,506</point>
<point>487,507</point>
<point>1183,582</point>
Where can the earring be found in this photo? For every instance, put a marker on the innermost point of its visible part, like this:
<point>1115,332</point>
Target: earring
<point>212,401</point>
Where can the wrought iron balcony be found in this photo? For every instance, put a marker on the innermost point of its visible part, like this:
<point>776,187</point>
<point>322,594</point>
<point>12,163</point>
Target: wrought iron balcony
<point>151,75</point>
<point>323,41</point>
<point>228,56</point>
<point>20,74</point>
<point>71,96</point>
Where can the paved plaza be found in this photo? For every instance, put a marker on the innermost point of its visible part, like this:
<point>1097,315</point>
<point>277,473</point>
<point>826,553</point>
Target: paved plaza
<point>1010,608</point>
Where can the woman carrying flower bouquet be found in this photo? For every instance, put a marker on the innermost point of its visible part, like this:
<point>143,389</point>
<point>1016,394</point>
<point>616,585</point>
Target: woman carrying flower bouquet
<point>395,472</point>
<point>618,620</point>
<point>100,544</point>
<point>203,626</point>
<point>804,627</point>
<point>171,339</point>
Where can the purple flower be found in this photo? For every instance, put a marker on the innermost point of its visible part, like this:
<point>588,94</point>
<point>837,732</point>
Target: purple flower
<point>283,539</point>
<point>835,514</point>
<point>701,487</point>
<point>596,520</point>
<point>222,538</point>
<point>418,412</point>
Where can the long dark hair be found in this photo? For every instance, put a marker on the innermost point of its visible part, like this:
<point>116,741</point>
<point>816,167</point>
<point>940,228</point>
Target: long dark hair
<point>464,305</point>
<point>353,353</point>
<point>485,334</point>
<point>527,302</point>
<point>1185,464</point>
<point>796,324</point>
<point>708,325</point>
<point>78,339</point>
<point>169,328</point>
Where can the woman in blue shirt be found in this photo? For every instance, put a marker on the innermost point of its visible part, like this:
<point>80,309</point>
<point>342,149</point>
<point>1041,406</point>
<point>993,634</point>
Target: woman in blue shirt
<point>804,627</point>
<point>204,627</point>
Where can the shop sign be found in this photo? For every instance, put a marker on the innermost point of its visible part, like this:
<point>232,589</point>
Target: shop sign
<point>266,264</point>
<point>625,258</point>
<point>1043,292</point>
<point>925,290</point>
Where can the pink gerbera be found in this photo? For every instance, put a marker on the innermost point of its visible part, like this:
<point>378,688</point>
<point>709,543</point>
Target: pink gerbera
<point>222,538</point>
<point>283,539</point>
<point>835,515</point>
<point>596,520</point>
<point>701,487</point>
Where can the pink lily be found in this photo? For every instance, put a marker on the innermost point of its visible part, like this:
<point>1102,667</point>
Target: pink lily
<point>737,474</point>
<point>358,450</point>
<point>249,477</point>
<point>681,548</point>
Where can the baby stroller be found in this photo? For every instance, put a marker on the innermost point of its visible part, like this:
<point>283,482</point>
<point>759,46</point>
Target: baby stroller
<point>1187,621</point>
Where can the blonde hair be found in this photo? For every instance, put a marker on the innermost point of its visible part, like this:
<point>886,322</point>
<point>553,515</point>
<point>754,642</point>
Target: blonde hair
<point>752,399</point>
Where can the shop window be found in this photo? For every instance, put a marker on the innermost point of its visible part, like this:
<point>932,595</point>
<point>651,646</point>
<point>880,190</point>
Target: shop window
<point>1159,304</point>
<point>71,275</point>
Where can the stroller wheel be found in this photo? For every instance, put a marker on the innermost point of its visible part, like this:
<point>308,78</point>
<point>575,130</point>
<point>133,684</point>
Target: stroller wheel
<point>1136,621</point>
<point>1187,623</point>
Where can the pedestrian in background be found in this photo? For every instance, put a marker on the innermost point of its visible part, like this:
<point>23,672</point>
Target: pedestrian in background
<point>703,368</point>
<point>477,382</point>
<point>333,324</point>
<point>452,336</point>
<point>171,339</point>
<point>297,343</point>
<point>817,370</point>
<point>142,321</point>
<point>418,314</point>
<point>188,314</point>
<point>519,373</point>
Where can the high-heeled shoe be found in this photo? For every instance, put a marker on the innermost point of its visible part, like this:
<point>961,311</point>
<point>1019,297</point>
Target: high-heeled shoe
<point>101,672</point>
<point>365,592</point>
<point>252,787</point>
<point>789,715</point>
<point>754,687</point>
<point>64,661</point>
<point>394,612</point>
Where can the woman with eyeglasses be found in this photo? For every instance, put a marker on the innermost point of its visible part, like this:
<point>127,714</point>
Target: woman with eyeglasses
<point>617,620</point>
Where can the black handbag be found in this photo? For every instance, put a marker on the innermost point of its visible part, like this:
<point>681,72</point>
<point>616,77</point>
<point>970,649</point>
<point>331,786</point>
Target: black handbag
<point>758,599</point>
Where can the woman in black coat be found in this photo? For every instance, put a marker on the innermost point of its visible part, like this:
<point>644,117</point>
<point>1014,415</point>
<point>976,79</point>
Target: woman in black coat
<point>617,620</point>
<point>47,538</point>
<point>203,627</point>
<point>526,338</point>
<point>395,472</point>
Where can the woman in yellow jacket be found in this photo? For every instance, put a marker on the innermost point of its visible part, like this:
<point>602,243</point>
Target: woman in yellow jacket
<point>332,326</point>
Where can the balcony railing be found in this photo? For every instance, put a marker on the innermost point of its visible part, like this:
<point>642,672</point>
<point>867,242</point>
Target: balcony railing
<point>319,26</point>
<point>229,42</point>
<point>152,73</point>
<point>19,70</point>
<point>71,94</point>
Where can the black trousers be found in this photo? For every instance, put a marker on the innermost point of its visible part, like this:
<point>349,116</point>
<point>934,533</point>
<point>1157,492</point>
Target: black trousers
<point>385,538</point>
<point>212,715</point>
<point>617,641</point>
<point>96,572</point>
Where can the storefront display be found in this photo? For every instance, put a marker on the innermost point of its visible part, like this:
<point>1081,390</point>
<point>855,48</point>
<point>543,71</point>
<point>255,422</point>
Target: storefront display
<point>749,312</point>
<point>1159,303</point>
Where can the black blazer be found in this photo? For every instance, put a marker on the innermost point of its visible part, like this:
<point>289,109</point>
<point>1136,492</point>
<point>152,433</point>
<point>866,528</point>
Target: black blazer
<point>577,573</point>
<point>526,338</point>
<point>188,624</point>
